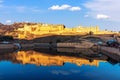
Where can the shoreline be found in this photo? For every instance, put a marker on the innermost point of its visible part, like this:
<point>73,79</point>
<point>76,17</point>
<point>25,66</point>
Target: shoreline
<point>85,42</point>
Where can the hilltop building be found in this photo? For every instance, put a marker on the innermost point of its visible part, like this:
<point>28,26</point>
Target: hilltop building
<point>56,29</point>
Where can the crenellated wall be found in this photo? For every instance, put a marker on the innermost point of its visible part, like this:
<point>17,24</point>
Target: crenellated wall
<point>59,29</point>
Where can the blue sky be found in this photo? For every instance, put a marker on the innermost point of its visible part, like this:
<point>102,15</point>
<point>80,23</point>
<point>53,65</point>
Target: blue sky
<point>71,13</point>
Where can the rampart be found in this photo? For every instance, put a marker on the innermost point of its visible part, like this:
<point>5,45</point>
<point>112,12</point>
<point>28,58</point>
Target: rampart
<point>56,29</point>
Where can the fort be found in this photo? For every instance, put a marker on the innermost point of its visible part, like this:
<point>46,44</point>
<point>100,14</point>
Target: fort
<point>56,29</point>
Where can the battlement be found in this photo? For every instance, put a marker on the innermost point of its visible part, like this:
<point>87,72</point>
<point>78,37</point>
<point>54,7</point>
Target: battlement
<point>57,29</point>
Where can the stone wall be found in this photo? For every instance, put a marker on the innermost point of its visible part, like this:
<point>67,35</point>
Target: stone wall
<point>39,29</point>
<point>59,29</point>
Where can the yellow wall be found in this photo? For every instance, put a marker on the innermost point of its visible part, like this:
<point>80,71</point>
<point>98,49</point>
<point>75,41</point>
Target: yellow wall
<point>41,29</point>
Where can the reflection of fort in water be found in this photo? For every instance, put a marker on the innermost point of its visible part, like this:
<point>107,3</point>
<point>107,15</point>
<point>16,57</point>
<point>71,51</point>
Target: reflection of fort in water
<point>57,59</point>
<point>37,58</point>
<point>33,57</point>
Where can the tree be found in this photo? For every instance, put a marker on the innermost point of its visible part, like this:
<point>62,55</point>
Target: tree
<point>91,33</point>
<point>6,38</point>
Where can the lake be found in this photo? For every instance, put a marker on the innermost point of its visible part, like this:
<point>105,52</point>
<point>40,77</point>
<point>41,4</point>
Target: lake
<point>58,64</point>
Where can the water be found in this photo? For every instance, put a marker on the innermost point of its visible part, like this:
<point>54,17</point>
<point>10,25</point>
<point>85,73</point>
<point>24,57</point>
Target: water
<point>60,64</point>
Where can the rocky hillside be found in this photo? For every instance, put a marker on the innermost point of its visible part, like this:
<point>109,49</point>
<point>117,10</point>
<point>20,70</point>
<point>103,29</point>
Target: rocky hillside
<point>9,29</point>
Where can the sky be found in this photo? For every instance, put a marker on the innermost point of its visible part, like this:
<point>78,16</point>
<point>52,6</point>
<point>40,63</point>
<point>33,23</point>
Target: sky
<point>71,13</point>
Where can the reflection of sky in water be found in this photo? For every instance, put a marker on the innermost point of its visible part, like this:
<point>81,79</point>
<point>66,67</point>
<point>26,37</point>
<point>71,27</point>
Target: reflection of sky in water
<point>105,71</point>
